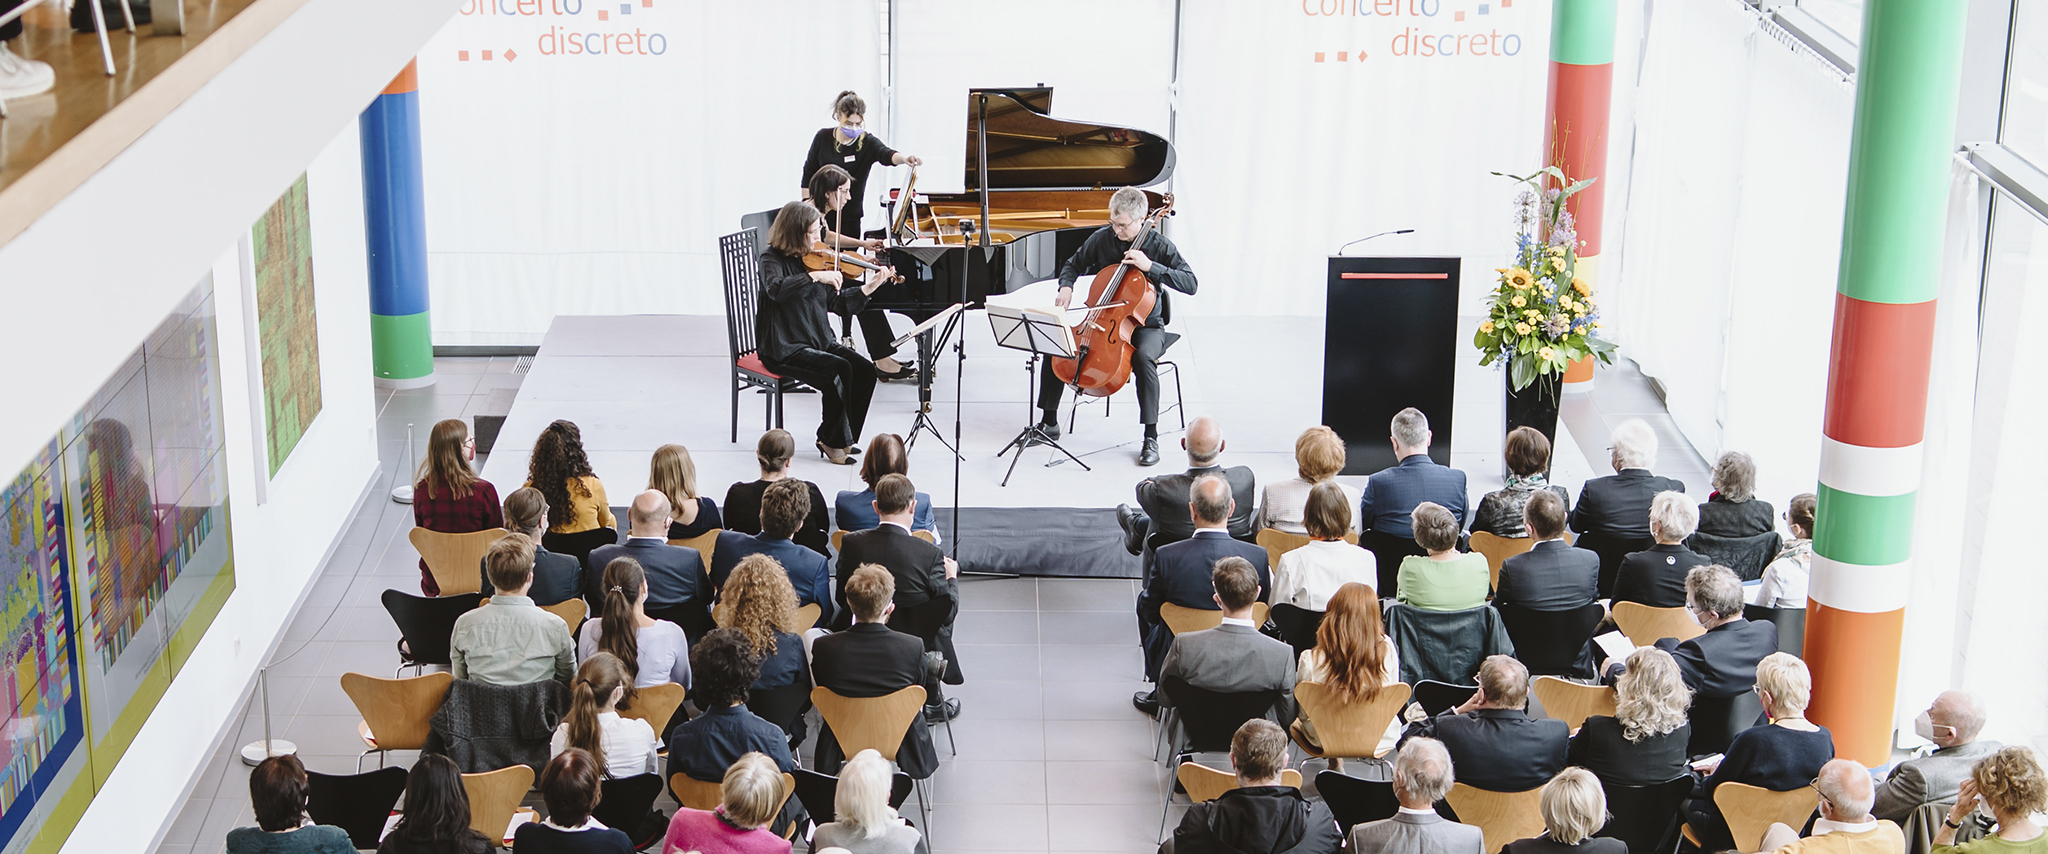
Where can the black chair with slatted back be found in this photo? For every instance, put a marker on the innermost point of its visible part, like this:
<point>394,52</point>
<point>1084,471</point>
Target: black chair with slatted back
<point>1646,817</point>
<point>1550,643</point>
<point>1716,720</point>
<point>1356,801</point>
<point>357,803</point>
<point>1297,626</point>
<point>1437,696</point>
<point>1611,550</point>
<point>1791,623</point>
<point>1206,719</point>
<point>739,259</point>
<point>626,802</point>
<point>816,792</point>
<point>425,625</point>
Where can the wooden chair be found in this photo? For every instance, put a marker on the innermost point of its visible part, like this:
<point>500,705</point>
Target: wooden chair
<point>1498,549</point>
<point>880,723</point>
<point>395,711</point>
<point>493,796</point>
<point>801,620</point>
<point>1181,620</point>
<point>926,536</point>
<point>1751,810</point>
<point>656,705</point>
<point>1572,702</point>
<point>572,611</point>
<point>704,543</point>
<point>455,560</point>
<point>1346,730</point>
<point>699,795</point>
<point>1645,625</point>
<point>1277,542</point>
<point>1503,816</point>
<point>1205,784</point>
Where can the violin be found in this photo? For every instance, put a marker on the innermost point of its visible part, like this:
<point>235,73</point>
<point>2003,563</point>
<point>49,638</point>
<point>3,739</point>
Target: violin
<point>847,263</point>
<point>1119,301</point>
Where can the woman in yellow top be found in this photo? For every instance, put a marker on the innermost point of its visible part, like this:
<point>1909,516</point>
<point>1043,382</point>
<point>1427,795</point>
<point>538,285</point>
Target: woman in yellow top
<point>575,497</point>
<point>1447,579</point>
<point>2009,785</point>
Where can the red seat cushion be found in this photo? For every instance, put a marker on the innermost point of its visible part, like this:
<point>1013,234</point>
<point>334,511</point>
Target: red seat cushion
<point>752,362</point>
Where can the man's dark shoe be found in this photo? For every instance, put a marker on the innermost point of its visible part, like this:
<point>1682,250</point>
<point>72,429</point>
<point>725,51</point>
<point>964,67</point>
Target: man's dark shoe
<point>1147,702</point>
<point>1149,455</point>
<point>1051,431</point>
<point>937,713</point>
<point>1135,524</point>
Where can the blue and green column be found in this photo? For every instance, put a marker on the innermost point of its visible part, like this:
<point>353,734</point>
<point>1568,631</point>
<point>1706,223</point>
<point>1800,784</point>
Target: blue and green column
<point>394,219</point>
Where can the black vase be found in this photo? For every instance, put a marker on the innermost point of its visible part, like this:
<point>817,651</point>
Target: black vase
<point>1535,406</point>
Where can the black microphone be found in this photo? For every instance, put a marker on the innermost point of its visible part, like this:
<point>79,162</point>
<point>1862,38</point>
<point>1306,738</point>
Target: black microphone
<point>1340,249</point>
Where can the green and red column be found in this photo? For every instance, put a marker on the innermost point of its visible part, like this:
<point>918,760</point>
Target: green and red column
<point>395,232</point>
<point>1581,84</point>
<point>1876,410</point>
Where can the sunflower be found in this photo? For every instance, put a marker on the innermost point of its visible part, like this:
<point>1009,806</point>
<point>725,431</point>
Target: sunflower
<point>1518,278</point>
<point>1518,301</point>
<point>1579,284</point>
<point>1521,329</point>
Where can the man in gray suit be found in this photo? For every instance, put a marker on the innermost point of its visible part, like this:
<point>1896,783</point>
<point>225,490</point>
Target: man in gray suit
<point>1422,776</point>
<point>1233,657</point>
<point>1952,723</point>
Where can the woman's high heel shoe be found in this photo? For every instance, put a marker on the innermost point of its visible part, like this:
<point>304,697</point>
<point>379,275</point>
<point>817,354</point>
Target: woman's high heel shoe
<point>835,456</point>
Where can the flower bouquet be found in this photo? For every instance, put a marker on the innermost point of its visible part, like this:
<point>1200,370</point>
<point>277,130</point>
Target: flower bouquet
<point>1540,317</point>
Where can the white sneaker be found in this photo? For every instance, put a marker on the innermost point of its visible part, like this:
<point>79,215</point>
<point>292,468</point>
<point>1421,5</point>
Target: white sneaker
<point>20,78</point>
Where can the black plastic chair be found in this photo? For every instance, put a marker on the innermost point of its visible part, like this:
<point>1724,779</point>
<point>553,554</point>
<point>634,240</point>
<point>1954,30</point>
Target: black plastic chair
<point>579,546</point>
<point>425,625</point>
<point>1387,551</point>
<point>1354,801</point>
<point>923,621</point>
<point>625,803</point>
<point>1611,550</point>
<point>693,616</point>
<point>1646,817</point>
<point>1791,623</point>
<point>1550,643</point>
<point>816,792</point>
<point>1717,720</point>
<point>1436,696</point>
<point>1297,626</point>
<point>1206,719</point>
<point>357,803</point>
<point>781,706</point>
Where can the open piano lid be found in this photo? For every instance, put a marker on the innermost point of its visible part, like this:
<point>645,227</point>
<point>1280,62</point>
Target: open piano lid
<point>1029,149</point>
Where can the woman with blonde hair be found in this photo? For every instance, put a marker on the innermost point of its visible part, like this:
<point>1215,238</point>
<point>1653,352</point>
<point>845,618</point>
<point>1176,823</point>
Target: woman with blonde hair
<point>623,747</point>
<point>1353,657</point>
<point>749,797</point>
<point>672,473</point>
<point>763,602</point>
<point>655,651</point>
<point>1782,755</point>
<point>2009,785</point>
<point>866,823</point>
<point>1644,741</point>
<point>447,496</point>
<point>1574,808</point>
<point>1318,458</point>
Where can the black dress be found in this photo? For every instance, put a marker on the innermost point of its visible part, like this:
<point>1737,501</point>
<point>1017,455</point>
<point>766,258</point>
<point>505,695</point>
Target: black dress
<point>743,514</point>
<point>795,340</point>
<point>1600,748</point>
<point>856,159</point>
<point>707,519</point>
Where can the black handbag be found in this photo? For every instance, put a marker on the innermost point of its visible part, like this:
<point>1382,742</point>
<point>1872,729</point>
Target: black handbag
<point>81,14</point>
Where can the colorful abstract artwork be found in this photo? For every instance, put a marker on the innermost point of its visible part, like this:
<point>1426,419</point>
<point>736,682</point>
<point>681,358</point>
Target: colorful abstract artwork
<point>286,331</point>
<point>43,699</point>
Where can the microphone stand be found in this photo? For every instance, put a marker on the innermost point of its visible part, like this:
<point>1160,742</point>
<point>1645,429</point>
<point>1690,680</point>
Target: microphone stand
<point>1340,249</point>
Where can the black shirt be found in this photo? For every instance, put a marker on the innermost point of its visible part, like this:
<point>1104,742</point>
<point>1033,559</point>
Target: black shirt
<point>792,314</point>
<point>1601,748</point>
<point>536,837</point>
<point>1101,249</point>
<point>707,519</point>
<point>856,159</point>
<point>743,514</point>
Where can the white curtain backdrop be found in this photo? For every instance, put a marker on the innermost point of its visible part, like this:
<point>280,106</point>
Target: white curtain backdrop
<point>564,183</point>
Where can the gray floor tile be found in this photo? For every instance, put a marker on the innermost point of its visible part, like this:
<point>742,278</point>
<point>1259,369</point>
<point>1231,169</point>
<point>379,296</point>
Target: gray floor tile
<point>185,828</point>
<point>1000,700</point>
<point>1118,660</point>
<point>993,739</point>
<point>1128,781</point>
<point>989,827</point>
<point>1099,740</point>
<point>1095,701</point>
<point>983,781</point>
<point>996,627</point>
<point>998,661</point>
<point>1087,627</point>
<point>1087,594</point>
<point>998,594</point>
<point>1115,827</point>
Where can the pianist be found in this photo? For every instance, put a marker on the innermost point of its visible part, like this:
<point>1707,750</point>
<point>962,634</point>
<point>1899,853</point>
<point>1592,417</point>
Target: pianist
<point>795,338</point>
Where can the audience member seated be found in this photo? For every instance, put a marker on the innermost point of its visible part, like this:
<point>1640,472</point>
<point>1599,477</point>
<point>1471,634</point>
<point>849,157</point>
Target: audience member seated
<point>1617,507</point>
<point>743,500</point>
<point>1387,509</point>
<point>1551,575</point>
<point>1527,454</point>
<point>1353,657</point>
<point>1656,575</point>
<point>678,588</point>
<point>1845,825</point>
<point>511,641</point>
<point>855,511</point>
<point>1308,576</point>
<point>1574,808</point>
<point>2009,785</point>
<point>1780,756</point>
<point>436,815</point>
<point>1182,572</point>
<point>1422,776</point>
<point>623,747</point>
<point>277,791</point>
<point>672,473</point>
<point>1733,510</point>
<point>783,506</point>
<point>1644,741</point>
<point>866,823</point>
<point>655,651</point>
<point>703,747</point>
<point>1952,723</point>
<point>871,660</point>
<point>570,787</point>
<point>556,578</point>
<point>919,570</point>
<point>1161,516</point>
<point>748,797</point>
<point>561,471</point>
<point>1318,459</point>
<point>1232,658</point>
<point>1492,739</point>
<point>1784,581</point>
<point>448,497</point>
<point>1260,816</point>
<point>1443,579</point>
<point>1722,662</point>
<point>762,602</point>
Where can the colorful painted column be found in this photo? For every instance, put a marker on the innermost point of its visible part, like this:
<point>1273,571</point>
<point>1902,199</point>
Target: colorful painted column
<point>1897,207</point>
<point>395,221</point>
<point>1581,81</point>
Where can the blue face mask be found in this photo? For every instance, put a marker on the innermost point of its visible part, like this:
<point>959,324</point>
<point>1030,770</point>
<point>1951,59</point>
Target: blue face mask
<point>850,133</point>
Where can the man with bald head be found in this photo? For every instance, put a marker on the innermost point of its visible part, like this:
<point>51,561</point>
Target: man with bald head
<point>1162,515</point>
<point>678,589</point>
<point>1952,723</point>
<point>1181,572</point>
<point>1845,825</point>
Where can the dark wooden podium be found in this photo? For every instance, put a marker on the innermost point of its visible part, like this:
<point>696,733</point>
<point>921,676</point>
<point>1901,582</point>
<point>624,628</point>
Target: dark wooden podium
<point>1389,342</point>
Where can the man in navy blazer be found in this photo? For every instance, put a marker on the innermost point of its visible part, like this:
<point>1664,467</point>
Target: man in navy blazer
<point>1392,494</point>
<point>1181,571</point>
<point>784,506</point>
<point>676,583</point>
<point>1551,575</point>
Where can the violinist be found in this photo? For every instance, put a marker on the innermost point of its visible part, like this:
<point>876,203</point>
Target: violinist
<point>848,146</point>
<point>795,337</point>
<point>1163,265</point>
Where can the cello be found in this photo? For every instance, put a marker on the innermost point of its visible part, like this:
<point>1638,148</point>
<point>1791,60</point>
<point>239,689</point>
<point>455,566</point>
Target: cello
<point>1119,301</point>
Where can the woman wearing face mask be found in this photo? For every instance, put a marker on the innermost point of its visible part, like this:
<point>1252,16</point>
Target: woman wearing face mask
<point>848,145</point>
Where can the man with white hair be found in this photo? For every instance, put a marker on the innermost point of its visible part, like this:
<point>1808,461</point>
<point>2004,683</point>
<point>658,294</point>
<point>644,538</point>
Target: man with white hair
<point>1387,506</point>
<point>1422,776</point>
<point>1656,576</point>
<point>1845,825</point>
<point>1614,511</point>
<point>1161,263</point>
<point>1952,723</point>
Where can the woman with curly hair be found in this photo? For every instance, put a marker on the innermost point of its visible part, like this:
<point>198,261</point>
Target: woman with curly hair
<point>1643,742</point>
<point>1353,656</point>
<point>2009,785</point>
<point>763,601</point>
<point>576,502</point>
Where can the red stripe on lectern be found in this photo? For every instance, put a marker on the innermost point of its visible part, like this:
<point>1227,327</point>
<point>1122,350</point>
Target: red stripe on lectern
<point>1393,275</point>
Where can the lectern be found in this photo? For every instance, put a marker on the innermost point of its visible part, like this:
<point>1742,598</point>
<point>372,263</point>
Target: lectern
<point>1389,342</point>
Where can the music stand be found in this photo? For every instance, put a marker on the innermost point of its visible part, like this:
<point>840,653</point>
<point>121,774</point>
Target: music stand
<point>1043,333</point>
<point>950,319</point>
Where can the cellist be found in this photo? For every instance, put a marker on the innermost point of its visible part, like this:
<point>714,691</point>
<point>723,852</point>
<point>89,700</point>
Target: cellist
<point>1164,267</point>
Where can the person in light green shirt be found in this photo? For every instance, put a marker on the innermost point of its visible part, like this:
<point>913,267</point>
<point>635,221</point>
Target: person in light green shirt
<point>2009,784</point>
<point>511,641</point>
<point>1445,580</point>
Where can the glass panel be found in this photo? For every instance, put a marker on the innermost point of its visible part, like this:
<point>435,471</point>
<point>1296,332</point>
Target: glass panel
<point>2025,125</point>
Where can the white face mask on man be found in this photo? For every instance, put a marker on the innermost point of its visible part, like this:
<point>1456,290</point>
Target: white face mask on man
<point>1923,726</point>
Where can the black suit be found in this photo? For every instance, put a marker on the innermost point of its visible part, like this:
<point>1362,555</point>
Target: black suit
<point>1618,505</point>
<point>1552,576</point>
<point>1182,575</point>
<point>1722,662</point>
<point>1165,499</point>
<point>743,514</point>
<point>1656,576</point>
<point>1499,750</point>
<point>870,660</point>
<point>556,578</point>
<point>677,585</point>
<point>920,571</point>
